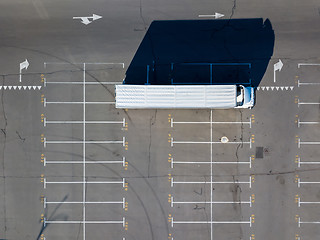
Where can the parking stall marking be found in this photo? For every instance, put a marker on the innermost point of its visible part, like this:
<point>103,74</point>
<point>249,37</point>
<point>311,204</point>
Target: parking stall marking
<point>213,182</point>
<point>206,142</point>
<point>211,122</point>
<point>250,222</point>
<point>123,203</point>
<point>211,202</point>
<point>45,122</point>
<point>172,162</point>
<point>45,161</point>
<point>306,143</point>
<point>45,182</point>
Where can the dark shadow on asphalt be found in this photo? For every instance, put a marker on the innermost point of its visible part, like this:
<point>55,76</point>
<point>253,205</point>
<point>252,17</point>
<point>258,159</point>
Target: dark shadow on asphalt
<point>235,51</point>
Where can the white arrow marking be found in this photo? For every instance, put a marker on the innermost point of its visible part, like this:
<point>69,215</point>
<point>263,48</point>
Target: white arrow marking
<point>86,21</point>
<point>277,66</point>
<point>216,15</point>
<point>23,65</point>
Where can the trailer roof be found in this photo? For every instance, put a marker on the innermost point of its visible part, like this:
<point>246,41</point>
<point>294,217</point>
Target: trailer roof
<point>175,96</point>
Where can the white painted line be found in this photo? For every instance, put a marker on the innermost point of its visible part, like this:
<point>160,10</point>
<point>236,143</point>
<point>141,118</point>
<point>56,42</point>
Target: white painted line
<point>87,83</point>
<point>209,202</point>
<point>193,142</point>
<point>80,103</point>
<point>172,122</point>
<point>306,83</point>
<point>307,123</point>
<point>211,177</point>
<point>86,142</point>
<point>207,162</point>
<point>81,122</point>
<point>100,202</point>
<point>81,63</point>
<point>300,222</point>
<point>211,182</point>
<point>308,64</point>
<point>212,222</point>
<point>84,222</point>
<point>87,182</point>
<point>300,202</point>
<point>81,162</point>
<point>307,143</point>
<point>299,182</point>
<point>307,103</point>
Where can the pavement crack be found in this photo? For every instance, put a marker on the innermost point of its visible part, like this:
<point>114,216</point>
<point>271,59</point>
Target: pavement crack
<point>152,122</point>
<point>21,138</point>
<point>4,131</point>
<point>141,15</point>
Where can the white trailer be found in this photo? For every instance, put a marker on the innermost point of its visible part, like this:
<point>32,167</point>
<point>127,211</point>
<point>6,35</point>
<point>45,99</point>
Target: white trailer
<point>183,96</point>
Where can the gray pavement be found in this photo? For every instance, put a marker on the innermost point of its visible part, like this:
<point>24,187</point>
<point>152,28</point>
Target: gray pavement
<point>142,181</point>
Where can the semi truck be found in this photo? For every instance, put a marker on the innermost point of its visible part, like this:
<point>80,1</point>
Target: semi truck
<point>130,96</point>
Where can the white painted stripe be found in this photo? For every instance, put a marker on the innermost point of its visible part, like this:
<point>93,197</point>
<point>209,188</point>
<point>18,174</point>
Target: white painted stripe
<point>87,83</point>
<point>80,162</point>
<point>80,103</point>
<point>308,64</point>
<point>81,122</point>
<point>86,142</point>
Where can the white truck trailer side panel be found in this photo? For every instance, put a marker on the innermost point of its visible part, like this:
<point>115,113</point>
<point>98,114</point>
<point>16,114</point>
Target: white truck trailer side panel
<point>175,96</point>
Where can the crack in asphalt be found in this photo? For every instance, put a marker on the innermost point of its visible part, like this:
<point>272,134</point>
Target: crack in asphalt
<point>4,131</point>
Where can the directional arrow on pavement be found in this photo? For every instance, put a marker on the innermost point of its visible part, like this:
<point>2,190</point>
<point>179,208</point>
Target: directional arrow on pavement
<point>216,15</point>
<point>23,65</point>
<point>86,21</point>
<point>277,66</point>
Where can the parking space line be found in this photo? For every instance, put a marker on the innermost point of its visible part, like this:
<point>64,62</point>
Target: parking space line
<point>211,176</point>
<point>207,162</point>
<point>45,142</point>
<point>211,222</point>
<point>45,202</point>
<point>211,122</point>
<point>300,182</point>
<point>212,182</point>
<point>301,202</point>
<point>304,222</point>
<point>46,103</point>
<point>83,222</point>
<point>45,122</point>
<point>306,103</point>
<point>80,83</point>
<point>45,161</point>
<point>305,163</point>
<point>307,123</point>
<point>76,63</point>
<point>45,182</point>
<point>308,64</point>
<point>194,142</point>
<point>211,202</point>
<point>306,143</point>
<point>306,83</point>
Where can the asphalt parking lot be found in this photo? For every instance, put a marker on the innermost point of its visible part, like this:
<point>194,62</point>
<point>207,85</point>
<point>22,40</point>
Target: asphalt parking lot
<point>75,167</point>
